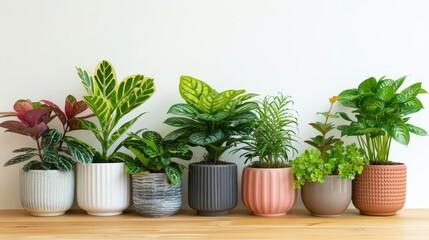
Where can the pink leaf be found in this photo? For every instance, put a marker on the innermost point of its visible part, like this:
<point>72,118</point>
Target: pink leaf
<point>7,114</point>
<point>22,106</point>
<point>60,114</point>
<point>37,130</point>
<point>69,106</point>
<point>36,116</point>
<point>15,126</point>
<point>79,107</point>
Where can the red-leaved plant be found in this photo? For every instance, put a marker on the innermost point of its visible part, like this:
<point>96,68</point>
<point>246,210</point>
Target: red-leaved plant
<point>54,149</point>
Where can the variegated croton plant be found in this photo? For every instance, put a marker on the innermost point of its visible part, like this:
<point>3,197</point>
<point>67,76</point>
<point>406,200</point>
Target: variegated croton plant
<point>53,149</point>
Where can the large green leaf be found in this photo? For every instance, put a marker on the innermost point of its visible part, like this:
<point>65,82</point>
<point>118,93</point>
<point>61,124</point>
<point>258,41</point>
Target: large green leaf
<point>135,98</point>
<point>31,165</point>
<point>125,88</point>
<point>193,90</point>
<point>141,157</point>
<point>223,98</point>
<point>122,129</point>
<point>367,85</point>
<point>412,91</point>
<point>398,83</point>
<point>204,138</point>
<point>105,77</point>
<point>25,149</point>
<point>382,83</point>
<point>178,133</point>
<point>246,107</point>
<point>88,81</point>
<point>51,139</point>
<point>416,130</point>
<point>372,105</point>
<point>19,159</point>
<point>399,98</point>
<point>347,97</point>
<point>64,163</point>
<point>219,116</point>
<point>181,122</point>
<point>173,174</point>
<point>386,93</point>
<point>401,134</point>
<point>153,137</point>
<point>92,127</point>
<point>179,150</point>
<point>101,107</point>
<point>50,156</point>
<point>184,109</point>
<point>79,150</point>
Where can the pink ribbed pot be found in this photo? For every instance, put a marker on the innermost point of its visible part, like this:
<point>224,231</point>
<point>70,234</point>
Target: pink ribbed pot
<point>268,191</point>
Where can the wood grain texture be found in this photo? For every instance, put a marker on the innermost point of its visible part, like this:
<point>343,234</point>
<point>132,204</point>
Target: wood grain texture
<point>240,224</point>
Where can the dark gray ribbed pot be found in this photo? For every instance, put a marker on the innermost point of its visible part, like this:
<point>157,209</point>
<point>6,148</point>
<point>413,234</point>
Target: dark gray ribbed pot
<point>154,196</point>
<point>330,198</point>
<point>212,189</point>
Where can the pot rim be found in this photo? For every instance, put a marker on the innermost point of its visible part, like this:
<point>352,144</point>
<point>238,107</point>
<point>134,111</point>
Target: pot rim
<point>387,165</point>
<point>109,163</point>
<point>50,170</point>
<point>266,169</point>
<point>212,165</point>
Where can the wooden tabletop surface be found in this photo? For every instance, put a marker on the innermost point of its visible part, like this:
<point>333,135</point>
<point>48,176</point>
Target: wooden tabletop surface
<point>240,224</point>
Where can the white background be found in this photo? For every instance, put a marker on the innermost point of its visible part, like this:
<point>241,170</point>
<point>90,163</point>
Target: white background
<point>310,50</point>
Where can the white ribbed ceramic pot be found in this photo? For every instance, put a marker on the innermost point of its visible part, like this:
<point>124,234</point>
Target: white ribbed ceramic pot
<point>103,189</point>
<point>46,193</point>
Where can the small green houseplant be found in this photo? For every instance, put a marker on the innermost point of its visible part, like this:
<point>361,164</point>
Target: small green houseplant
<point>215,121</point>
<point>381,113</point>
<point>47,181</point>
<point>325,173</point>
<point>156,179</point>
<point>268,148</point>
<point>111,102</point>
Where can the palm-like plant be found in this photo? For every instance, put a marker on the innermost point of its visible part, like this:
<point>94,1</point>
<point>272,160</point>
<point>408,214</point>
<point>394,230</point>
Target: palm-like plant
<point>110,102</point>
<point>271,141</point>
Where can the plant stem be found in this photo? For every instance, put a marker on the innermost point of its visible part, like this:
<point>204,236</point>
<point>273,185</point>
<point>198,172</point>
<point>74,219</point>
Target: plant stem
<point>324,132</point>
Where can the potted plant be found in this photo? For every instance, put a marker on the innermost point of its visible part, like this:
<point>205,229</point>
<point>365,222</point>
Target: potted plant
<point>47,181</point>
<point>156,179</point>
<point>103,185</point>
<point>326,172</point>
<point>267,184</point>
<point>215,121</point>
<point>381,114</point>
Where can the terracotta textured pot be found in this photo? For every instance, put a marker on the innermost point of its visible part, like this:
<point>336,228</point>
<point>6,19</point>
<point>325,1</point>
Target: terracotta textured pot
<point>212,189</point>
<point>268,191</point>
<point>330,198</point>
<point>380,190</point>
<point>154,196</point>
<point>103,189</point>
<point>47,193</point>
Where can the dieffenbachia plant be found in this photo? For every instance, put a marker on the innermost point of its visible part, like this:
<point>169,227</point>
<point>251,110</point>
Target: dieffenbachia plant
<point>153,155</point>
<point>212,120</point>
<point>381,113</point>
<point>54,150</point>
<point>110,102</point>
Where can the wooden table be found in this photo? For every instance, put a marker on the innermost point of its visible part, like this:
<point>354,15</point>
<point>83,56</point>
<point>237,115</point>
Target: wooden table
<point>240,224</point>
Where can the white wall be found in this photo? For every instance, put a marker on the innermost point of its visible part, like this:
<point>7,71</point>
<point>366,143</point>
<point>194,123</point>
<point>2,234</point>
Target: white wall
<point>310,50</point>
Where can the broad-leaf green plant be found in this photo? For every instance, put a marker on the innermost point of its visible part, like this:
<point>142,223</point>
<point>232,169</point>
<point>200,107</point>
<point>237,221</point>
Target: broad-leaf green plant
<point>153,155</point>
<point>54,149</point>
<point>381,113</point>
<point>270,144</point>
<point>210,119</point>
<point>330,156</point>
<point>111,101</point>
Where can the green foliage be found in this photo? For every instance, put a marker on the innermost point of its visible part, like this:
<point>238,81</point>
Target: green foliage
<point>381,113</point>
<point>110,102</point>
<point>273,135</point>
<point>54,149</point>
<point>343,161</point>
<point>212,120</point>
<point>153,155</point>
<point>329,157</point>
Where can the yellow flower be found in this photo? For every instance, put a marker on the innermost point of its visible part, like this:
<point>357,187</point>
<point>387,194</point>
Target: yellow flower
<point>334,99</point>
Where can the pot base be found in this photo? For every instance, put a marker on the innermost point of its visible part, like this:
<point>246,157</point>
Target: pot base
<point>269,215</point>
<point>205,213</point>
<point>378,214</point>
<point>326,215</point>
<point>104,214</point>
<point>47,214</point>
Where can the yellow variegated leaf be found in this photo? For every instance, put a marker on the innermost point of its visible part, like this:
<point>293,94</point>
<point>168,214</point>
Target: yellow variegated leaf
<point>101,107</point>
<point>105,77</point>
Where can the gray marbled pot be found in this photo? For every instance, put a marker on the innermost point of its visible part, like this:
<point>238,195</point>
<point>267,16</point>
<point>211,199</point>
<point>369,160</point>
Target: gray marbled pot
<point>154,196</point>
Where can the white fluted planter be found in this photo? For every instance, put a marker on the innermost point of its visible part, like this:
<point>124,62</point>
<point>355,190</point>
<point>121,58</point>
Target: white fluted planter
<point>103,189</point>
<point>47,193</point>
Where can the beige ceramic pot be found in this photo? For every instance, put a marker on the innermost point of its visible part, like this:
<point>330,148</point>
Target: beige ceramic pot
<point>380,190</point>
<point>268,191</point>
<point>327,199</point>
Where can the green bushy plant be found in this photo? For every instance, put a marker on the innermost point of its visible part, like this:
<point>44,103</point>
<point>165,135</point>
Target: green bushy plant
<point>153,155</point>
<point>209,119</point>
<point>330,156</point>
<point>110,102</point>
<point>54,149</point>
<point>381,113</point>
<point>270,144</point>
